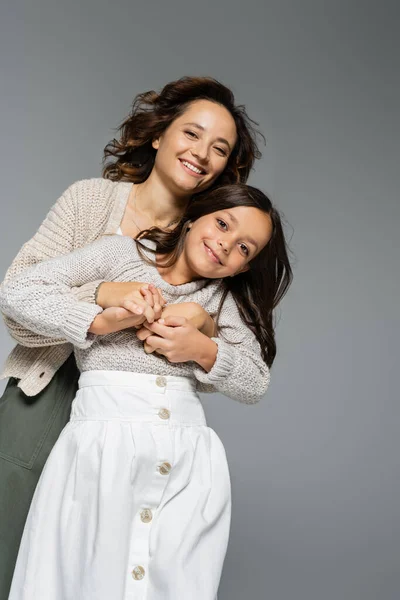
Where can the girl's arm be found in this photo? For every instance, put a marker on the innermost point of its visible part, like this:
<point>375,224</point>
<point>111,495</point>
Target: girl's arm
<point>41,298</point>
<point>234,369</point>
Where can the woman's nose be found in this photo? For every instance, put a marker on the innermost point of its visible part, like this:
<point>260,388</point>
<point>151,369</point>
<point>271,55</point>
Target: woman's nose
<point>201,151</point>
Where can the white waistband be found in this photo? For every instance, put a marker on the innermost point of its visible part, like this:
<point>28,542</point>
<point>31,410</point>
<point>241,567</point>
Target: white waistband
<point>157,383</point>
<point>105,395</point>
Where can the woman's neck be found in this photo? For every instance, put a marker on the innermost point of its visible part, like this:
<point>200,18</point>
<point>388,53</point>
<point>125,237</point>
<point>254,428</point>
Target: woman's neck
<point>156,203</point>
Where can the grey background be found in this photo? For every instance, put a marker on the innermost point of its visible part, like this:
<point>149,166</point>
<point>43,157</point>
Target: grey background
<point>315,468</point>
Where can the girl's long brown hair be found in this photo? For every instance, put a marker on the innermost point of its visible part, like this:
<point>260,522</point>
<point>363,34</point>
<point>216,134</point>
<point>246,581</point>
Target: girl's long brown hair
<point>258,291</point>
<point>132,154</point>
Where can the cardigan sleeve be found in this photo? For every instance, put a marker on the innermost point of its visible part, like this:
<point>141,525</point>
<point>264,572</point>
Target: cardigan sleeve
<point>41,298</point>
<point>239,370</point>
<point>55,237</point>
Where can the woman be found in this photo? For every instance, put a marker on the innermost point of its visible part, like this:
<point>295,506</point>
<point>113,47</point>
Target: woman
<point>175,144</point>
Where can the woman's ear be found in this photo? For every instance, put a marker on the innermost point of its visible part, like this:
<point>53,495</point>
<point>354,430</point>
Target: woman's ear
<point>156,143</point>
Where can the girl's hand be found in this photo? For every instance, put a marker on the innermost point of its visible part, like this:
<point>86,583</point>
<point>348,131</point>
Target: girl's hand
<point>179,341</point>
<point>174,337</point>
<point>191,311</point>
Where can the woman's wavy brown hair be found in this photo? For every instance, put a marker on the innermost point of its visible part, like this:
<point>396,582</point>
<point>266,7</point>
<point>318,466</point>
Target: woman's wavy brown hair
<point>258,291</point>
<point>132,155</point>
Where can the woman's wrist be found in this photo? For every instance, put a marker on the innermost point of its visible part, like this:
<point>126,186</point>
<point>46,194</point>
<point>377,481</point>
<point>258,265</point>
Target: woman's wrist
<point>113,293</point>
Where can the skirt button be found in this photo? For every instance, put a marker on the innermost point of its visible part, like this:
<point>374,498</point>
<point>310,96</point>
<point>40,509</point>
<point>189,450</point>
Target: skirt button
<point>161,381</point>
<point>138,573</point>
<point>164,413</point>
<point>165,468</point>
<point>146,515</point>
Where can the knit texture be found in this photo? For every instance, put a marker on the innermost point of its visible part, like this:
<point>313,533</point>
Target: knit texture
<point>85,211</point>
<point>41,299</point>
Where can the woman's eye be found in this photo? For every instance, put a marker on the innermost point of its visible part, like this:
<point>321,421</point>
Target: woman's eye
<point>221,223</point>
<point>244,249</point>
<point>191,134</point>
<point>221,151</point>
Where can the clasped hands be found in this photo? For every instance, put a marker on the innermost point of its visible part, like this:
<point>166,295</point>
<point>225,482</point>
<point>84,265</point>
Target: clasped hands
<point>176,331</point>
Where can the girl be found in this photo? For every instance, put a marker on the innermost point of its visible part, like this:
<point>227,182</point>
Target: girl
<point>187,138</point>
<point>134,501</point>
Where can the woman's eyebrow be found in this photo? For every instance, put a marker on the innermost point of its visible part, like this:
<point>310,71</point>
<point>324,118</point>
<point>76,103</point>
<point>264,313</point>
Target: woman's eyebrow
<point>220,139</point>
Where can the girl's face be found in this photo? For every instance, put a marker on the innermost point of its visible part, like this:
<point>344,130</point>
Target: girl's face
<point>195,148</point>
<point>222,243</point>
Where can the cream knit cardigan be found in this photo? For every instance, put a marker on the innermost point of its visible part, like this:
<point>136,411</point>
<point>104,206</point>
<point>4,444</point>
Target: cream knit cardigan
<point>86,210</point>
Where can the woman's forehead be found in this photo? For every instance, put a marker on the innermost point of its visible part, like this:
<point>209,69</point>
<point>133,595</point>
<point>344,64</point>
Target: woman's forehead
<point>210,117</point>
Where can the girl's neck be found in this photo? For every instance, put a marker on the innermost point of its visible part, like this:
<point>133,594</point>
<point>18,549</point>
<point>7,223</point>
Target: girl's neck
<point>156,203</point>
<point>178,273</point>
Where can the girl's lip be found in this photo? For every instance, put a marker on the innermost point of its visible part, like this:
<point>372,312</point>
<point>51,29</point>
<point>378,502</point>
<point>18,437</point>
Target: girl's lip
<point>212,254</point>
<point>187,170</point>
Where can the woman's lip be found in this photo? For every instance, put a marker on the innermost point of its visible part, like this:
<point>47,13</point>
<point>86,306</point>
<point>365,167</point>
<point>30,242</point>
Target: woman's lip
<point>187,170</point>
<point>212,254</point>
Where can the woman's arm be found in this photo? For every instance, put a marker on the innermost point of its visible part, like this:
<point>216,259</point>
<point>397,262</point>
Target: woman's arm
<point>41,298</point>
<point>55,237</point>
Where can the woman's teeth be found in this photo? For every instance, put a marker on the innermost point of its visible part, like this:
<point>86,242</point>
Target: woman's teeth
<point>192,167</point>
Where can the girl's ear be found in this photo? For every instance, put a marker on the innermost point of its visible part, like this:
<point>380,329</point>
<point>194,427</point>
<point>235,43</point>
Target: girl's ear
<point>156,143</point>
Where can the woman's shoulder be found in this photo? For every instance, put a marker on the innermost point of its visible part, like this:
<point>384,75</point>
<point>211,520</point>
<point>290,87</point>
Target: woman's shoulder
<point>85,190</point>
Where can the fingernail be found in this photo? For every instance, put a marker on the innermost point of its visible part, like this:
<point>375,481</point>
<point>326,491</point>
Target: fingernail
<point>161,321</point>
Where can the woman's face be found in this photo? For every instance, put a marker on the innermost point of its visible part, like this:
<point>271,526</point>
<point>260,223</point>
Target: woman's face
<point>222,243</point>
<point>195,148</point>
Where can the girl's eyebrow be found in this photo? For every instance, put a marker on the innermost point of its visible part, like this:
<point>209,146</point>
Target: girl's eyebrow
<point>236,222</point>
<point>220,139</point>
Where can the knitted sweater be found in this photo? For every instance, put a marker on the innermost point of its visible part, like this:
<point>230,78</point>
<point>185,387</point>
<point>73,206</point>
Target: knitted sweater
<point>85,211</point>
<point>41,300</point>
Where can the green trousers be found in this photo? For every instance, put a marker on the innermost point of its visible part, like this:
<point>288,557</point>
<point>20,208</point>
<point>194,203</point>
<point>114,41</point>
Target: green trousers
<point>29,428</point>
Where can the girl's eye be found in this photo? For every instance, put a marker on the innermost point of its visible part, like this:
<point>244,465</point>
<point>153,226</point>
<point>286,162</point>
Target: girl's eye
<point>222,223</point>
<point>244,249</point>
<point>191,134</point>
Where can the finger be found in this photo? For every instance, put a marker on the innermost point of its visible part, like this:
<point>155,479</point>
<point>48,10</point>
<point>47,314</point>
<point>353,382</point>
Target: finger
<point>147,295</point>
<point>149,314</point>
<point>159,328</point>
<point>148,349</point>
<point>133,307</point>
<point>173,321</point>
<point>122,313</point>
<point>156,343</point>
<point>143,334</point>
<point>158,297</point>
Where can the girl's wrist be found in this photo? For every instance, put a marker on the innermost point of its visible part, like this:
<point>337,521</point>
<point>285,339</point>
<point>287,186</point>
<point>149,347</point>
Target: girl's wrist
<point>206,351</point>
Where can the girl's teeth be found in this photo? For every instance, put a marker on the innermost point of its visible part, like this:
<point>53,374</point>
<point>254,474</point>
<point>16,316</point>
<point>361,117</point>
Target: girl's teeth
<point>191,167</point>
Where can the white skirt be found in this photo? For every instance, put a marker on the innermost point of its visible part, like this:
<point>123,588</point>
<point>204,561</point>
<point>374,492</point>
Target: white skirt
<point>134,501</point>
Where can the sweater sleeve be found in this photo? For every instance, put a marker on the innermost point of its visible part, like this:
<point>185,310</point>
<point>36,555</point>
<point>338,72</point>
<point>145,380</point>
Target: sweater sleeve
<point>239,370</point>
<point>41,298</point>
<point>55,237</point>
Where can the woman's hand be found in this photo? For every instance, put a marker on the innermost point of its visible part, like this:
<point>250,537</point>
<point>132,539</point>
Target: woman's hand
<point>116,319</point>
<point>115,293</point>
